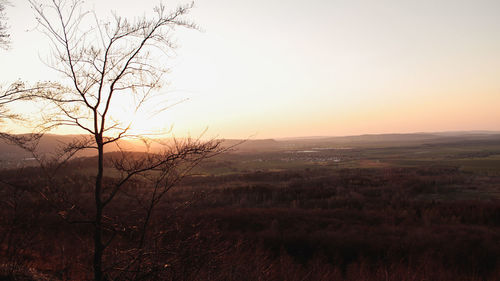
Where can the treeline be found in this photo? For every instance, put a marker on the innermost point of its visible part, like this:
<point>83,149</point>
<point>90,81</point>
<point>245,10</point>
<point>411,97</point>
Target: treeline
<point>426,223</point>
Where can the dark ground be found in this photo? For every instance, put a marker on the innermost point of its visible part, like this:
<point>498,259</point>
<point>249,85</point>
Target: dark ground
<point>420,210</point>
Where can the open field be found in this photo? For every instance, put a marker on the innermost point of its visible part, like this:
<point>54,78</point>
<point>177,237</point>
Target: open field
<point>480,155</point>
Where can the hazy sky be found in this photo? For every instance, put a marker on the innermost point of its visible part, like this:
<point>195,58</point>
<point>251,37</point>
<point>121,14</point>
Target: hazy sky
<point>317,67</point>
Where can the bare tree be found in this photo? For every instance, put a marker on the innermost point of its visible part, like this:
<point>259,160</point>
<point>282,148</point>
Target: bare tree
<point>4,35</point>
<point>13,93</point>
<point>17,91</point>
<point>105,61</point>
<point>9,95</point>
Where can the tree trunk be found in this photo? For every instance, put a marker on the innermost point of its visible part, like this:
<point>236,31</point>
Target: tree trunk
<point>98,245</point>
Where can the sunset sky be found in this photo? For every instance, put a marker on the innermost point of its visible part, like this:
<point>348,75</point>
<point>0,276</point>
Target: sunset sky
<point>267,69</point>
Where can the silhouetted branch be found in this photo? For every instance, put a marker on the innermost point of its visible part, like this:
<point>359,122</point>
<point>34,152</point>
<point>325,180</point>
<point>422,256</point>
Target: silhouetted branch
<point>4,35</point>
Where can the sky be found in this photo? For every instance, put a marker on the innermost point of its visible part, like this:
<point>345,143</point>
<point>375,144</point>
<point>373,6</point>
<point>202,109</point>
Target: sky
<point>271,69</point>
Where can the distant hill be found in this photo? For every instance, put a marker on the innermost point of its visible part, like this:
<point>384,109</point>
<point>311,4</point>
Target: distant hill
<point>11,155</point>
<point>263,145</point>
<point>384,140</point>
<point>49,143</point>
<point>378,138</point>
